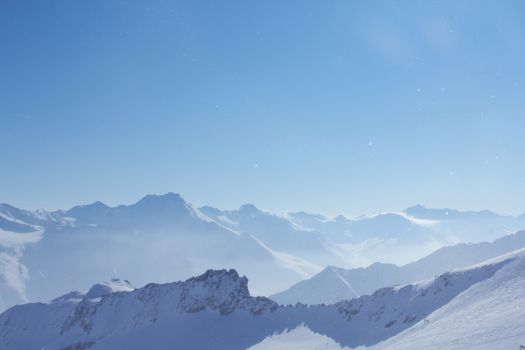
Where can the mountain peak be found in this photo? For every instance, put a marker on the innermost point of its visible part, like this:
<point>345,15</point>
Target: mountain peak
<point>416,207</point>
<point>304,214</point>
<point>332,269</point>
<point>341,218</point>
<point>223,291</point>
<point>6,206</point>
<point>421,212</point>
<point>164,202</point>
<point>228,280</point>
<point>167,197</point>
<point>249,209</point>
<point>97,206</point>
<point>107,287</point>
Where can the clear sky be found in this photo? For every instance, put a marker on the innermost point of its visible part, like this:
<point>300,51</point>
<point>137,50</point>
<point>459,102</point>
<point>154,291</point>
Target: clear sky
<point>325,106</point>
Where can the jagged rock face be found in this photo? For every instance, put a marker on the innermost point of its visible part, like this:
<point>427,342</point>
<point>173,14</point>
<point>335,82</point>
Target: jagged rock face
<point>93,313</point>
<point>217,290</point>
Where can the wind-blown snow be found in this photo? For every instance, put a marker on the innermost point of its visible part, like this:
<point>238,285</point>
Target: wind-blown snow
<point>16,240</point>
<point>13,274</point>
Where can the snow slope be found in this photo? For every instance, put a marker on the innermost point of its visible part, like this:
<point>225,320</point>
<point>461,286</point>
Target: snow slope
<point>490,315</point>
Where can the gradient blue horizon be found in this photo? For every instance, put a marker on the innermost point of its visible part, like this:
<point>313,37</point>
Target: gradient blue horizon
<point>332,107</point>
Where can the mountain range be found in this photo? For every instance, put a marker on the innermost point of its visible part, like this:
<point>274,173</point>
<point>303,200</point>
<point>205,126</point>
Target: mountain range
<point>162,238</point>
<point>216,310</point>
<point>334,284</point>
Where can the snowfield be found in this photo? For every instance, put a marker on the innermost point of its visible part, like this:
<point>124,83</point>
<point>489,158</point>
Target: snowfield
<point>489,315</point>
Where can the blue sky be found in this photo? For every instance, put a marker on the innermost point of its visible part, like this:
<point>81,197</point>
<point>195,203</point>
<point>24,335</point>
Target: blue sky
<point>333,107</point>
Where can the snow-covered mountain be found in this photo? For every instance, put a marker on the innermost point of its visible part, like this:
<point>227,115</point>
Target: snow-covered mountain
<point>334,284</point>
<point>487,314</point>
<point>338,241</point>
<point>406,236</point>
<point>110,318</point>
<point>467,226</point>
<point>216,310</point>
<point>464,226</point>
<point>278,233</point>
<point>22,221</point>
<point>159,238</point>
<point>162,238</point>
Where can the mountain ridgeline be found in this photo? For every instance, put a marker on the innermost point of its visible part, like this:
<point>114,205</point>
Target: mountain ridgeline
<point>216,310</point>
<point>162,238</point>
<point>334,284</point>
